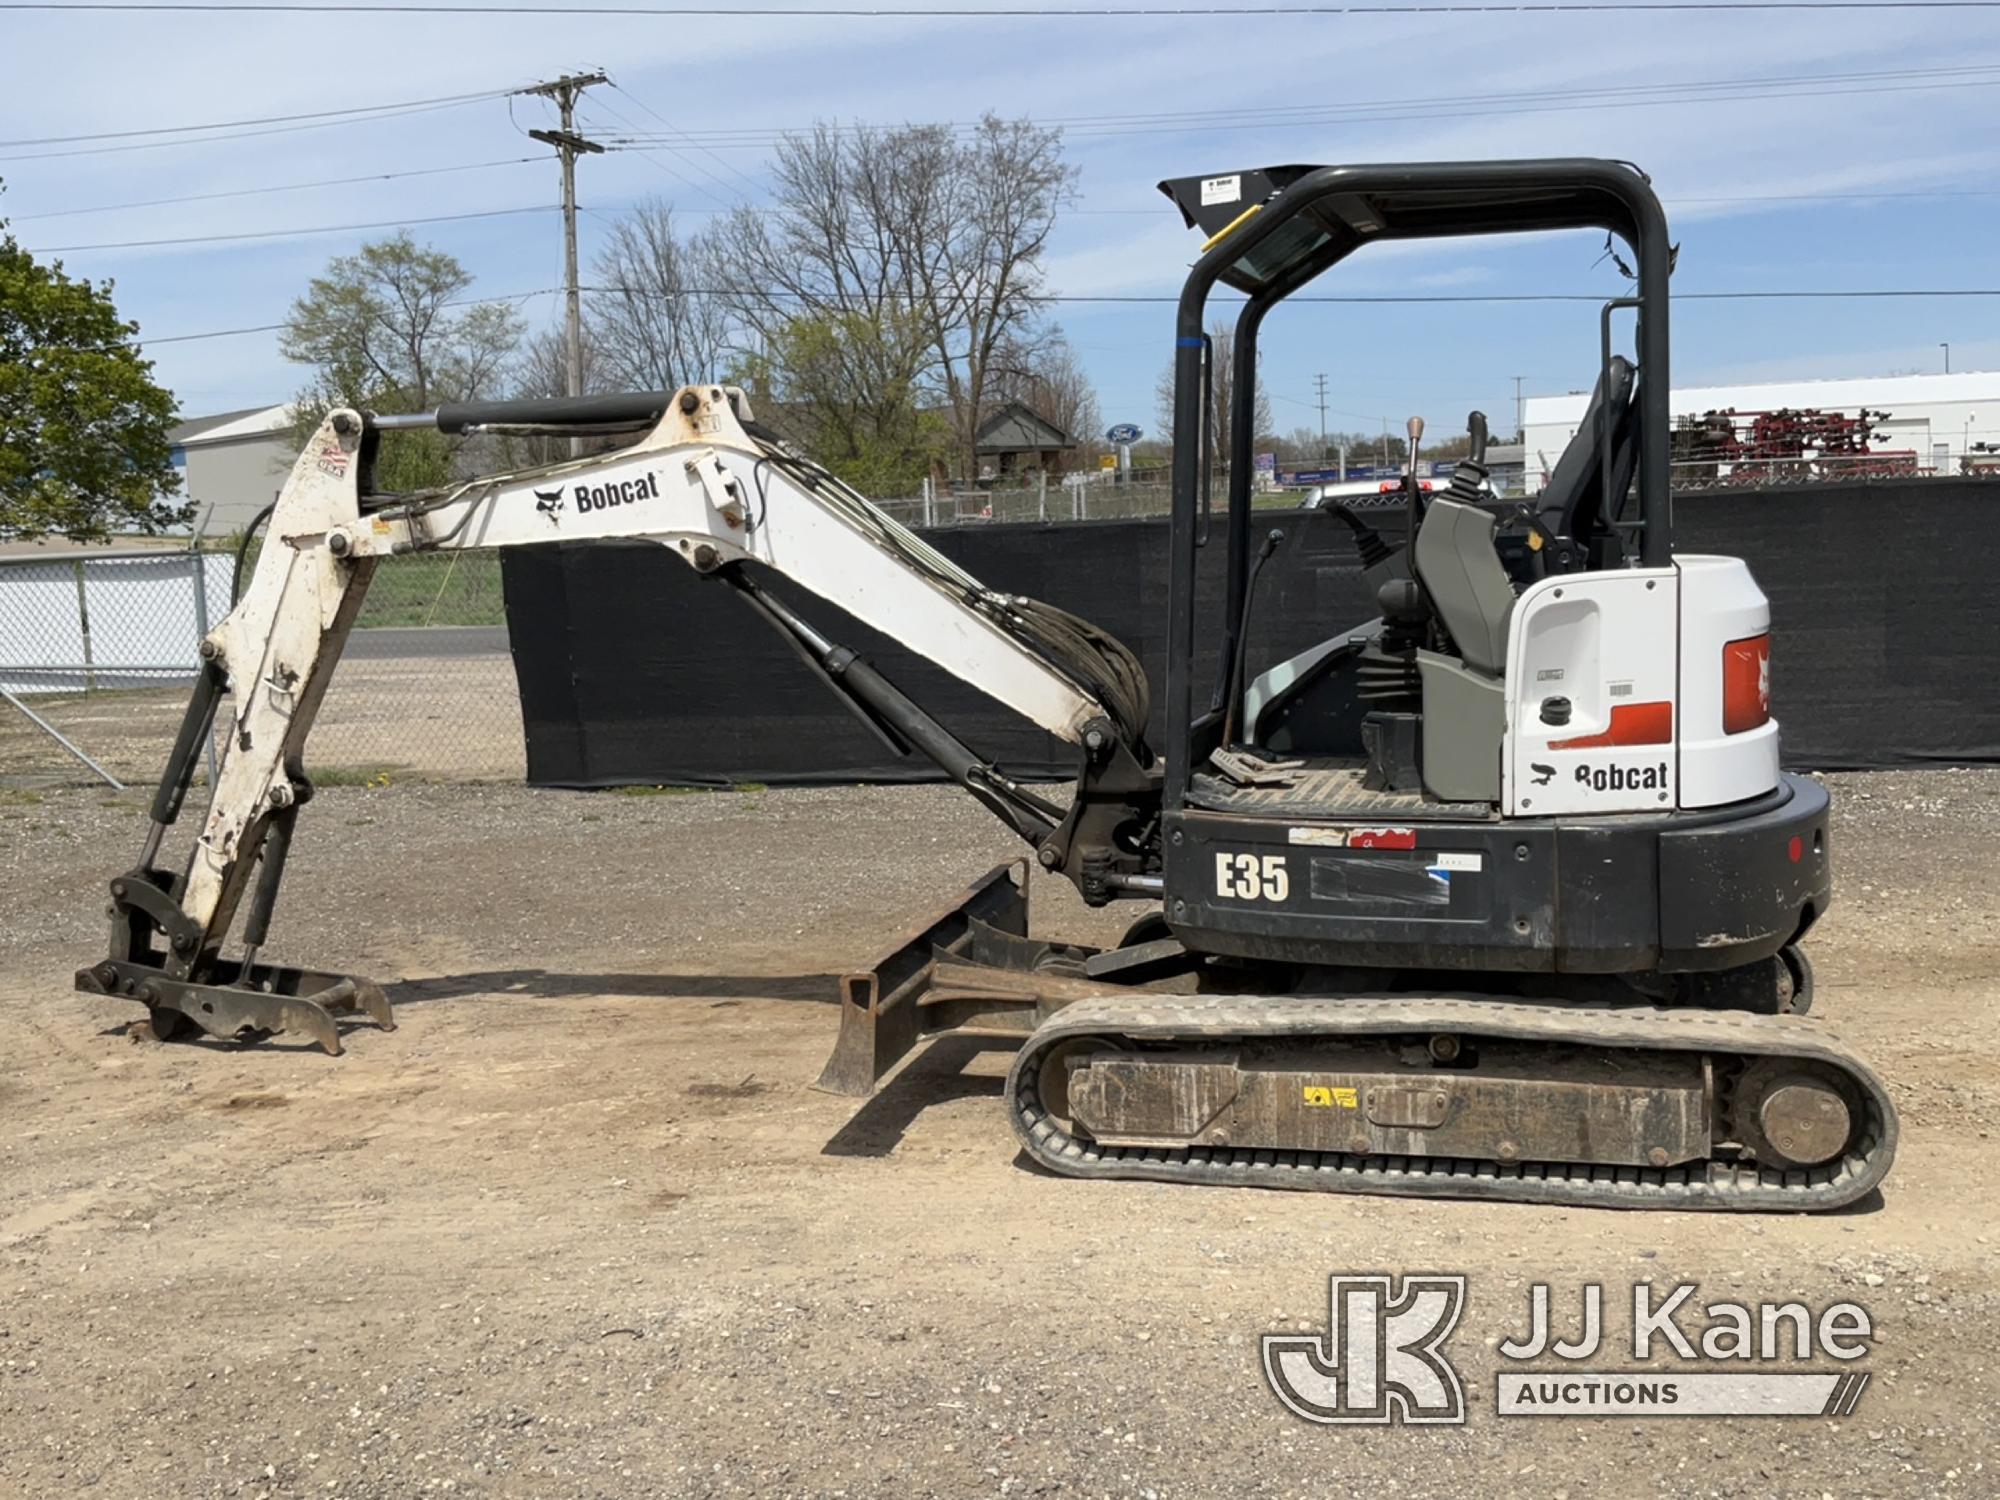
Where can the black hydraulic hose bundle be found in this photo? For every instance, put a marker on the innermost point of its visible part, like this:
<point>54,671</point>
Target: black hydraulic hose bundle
<point>243,550</point>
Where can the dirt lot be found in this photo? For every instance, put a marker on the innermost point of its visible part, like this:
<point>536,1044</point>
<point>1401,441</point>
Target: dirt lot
<point>579,1228</point>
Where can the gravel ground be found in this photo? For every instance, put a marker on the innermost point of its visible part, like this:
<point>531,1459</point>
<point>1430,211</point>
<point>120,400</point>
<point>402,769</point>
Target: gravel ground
<point>578,1227</point>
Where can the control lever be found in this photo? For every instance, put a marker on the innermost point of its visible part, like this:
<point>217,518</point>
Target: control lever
<point>1468,476</point>
<point>1416,430</point>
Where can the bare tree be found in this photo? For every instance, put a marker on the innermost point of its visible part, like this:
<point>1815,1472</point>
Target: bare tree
<point>542,369</point>
<point>912,254</point>
<point>983,283</point>
<point>822,289</point>
<point>655,324</point>
<point>1222,405</point>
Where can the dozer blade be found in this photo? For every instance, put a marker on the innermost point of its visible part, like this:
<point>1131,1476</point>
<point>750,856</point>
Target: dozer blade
<point>880,1017</point>
<point>274,999</point>
<point>1634,1108</point>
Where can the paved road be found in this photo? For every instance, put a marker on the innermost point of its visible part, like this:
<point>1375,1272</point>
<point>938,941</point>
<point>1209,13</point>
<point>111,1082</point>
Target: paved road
<point>433,641</point>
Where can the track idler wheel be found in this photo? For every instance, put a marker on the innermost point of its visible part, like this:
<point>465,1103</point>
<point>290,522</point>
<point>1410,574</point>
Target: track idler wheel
<point>1793,1114</point>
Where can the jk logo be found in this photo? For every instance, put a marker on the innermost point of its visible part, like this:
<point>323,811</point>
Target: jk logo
<point>1382,1358</point>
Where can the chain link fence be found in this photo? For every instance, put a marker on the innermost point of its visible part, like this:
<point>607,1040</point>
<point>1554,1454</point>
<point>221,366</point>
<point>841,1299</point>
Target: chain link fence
<point>98,653</point>
<point>98,650</point>
<point>1099,498</point>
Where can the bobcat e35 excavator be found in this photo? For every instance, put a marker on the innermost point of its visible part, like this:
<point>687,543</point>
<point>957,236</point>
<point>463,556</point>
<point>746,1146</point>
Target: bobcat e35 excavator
<point>1497,895</point>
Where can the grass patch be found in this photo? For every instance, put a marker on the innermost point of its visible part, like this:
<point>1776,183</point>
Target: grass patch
<point>429,588</point>
<point>458,588</point>
<point>373,776</point>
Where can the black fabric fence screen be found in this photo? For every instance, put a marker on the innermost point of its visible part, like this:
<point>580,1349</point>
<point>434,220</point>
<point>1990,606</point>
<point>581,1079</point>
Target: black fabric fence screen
<point>633,670</point>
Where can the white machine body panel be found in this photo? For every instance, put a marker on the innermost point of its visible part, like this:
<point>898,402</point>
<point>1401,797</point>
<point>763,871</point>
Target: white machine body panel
<point>1607,643</point>
<point>1721,607</point>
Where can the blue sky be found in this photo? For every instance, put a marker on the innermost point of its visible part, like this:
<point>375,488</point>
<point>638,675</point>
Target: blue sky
<point>1717,161</point>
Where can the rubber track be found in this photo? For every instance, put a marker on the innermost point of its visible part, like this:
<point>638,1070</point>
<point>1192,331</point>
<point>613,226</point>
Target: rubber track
<point>1220,1019</point>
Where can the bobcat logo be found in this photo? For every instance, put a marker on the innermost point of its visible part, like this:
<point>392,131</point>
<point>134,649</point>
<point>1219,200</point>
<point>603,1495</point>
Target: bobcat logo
<point>1543,774</point>
<point>548,502</point>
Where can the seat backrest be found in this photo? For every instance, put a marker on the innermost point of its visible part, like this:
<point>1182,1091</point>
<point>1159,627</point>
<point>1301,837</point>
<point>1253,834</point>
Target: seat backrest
<point>1573,496</point>
<point>1460,570</point>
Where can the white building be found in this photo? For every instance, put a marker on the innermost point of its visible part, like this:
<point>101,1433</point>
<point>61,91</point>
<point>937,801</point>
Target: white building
<point>1936,419</point>
<point>233,464</point>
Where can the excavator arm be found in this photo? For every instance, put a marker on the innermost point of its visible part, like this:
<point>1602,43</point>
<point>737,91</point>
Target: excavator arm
<point>724,495</point>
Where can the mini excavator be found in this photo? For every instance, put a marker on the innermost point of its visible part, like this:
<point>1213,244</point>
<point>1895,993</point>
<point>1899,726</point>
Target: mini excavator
<point>1497,895</point>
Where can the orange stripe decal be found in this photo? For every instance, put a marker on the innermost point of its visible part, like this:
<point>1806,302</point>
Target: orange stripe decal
<point>1631,724</point>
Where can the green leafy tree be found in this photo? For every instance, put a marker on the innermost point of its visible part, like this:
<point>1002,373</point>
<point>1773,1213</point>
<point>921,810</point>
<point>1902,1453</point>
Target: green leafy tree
<point>83,427</point>
<point>843,403</point>
<point>390,328</point>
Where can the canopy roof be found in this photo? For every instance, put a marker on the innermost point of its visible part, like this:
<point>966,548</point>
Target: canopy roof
<point>1317,216</point>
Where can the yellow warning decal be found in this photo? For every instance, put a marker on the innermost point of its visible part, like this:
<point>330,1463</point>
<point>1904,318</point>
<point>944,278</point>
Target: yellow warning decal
<point>1323,1098</point>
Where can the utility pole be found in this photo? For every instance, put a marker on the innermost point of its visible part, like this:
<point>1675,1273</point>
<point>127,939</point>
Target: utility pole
<point>569,145</point>
<point>1319,389</point>
<point>1520,412</point>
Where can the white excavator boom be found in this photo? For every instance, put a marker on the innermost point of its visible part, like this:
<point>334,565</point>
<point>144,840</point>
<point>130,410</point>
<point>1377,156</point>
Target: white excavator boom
<point>699,483</point>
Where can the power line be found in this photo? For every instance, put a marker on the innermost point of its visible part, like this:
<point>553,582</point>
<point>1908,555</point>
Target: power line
<point>989,12</point>
<point>1488,297</point>
<point>324,114</point>
<point>678,176</point>
<point>279,234</point>
<point>1544,102</point>
<point>1316,113</point>
<point>720,161</point>
<point>1669,199</point>
<point>241,135</point>
<point>287,187</point>
<point>230,333</point>
<point>1398,299</point>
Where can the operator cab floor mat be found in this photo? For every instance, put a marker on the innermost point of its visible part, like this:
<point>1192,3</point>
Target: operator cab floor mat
<point>1326,788</point>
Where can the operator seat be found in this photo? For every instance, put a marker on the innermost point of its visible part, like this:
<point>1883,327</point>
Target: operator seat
<point>1456,561</point>
<point>1465,715</point>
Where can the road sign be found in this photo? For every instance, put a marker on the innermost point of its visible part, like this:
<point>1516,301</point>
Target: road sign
<point>1123,433</point>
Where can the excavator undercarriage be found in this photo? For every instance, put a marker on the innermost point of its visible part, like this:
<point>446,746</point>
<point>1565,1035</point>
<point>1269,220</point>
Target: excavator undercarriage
<point>1163,1078</point>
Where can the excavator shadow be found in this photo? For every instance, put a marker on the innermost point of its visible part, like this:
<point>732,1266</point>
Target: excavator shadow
<point>542,984</point>
<point>936,1075</point>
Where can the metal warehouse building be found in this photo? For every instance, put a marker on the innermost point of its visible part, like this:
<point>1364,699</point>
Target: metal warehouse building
<point>1922,424</point>
<point>233,464</point>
